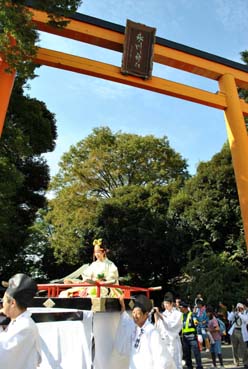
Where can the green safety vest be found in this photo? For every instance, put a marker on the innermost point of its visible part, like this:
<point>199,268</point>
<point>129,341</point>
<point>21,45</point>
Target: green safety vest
<point>187,328</point>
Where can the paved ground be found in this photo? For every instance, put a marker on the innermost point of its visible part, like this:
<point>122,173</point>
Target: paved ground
<point>227,358</point>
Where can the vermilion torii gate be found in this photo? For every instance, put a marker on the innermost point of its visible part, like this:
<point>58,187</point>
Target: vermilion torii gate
<point>229,75</point>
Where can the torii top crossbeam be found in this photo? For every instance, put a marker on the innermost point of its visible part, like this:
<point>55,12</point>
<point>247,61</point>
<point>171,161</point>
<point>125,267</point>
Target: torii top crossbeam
<point>229,75</point>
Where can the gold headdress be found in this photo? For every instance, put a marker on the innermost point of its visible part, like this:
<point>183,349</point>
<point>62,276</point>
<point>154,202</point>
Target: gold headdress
<point>97,243</point>
<point>98,247</point>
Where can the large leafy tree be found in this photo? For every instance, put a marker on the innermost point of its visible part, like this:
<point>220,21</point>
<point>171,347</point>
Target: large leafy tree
<point>219,276</point>
<point>145,242</point>
<point>18,34</point>
<point>115,186</point>
<point>209,204</point>
<point>29,131</point>
<point>208,207</point>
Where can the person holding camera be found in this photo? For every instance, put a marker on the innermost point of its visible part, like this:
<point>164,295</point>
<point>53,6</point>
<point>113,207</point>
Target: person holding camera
<point>239,335</point>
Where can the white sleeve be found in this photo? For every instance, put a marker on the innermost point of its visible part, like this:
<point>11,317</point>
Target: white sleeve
<point>123,338</point>
<point>14,346</point>
<point>113,275</point>
<point>244,317</point>
<point>174,324</point>
<point>161,327</point>
<point>88,272</point>
<point>161,357</point>
<point>230,316</point>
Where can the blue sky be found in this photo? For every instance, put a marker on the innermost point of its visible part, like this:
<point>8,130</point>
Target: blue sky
<point>82,103</point>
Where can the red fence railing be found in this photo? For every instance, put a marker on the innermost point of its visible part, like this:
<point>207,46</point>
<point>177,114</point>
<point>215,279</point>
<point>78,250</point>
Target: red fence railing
<point>54,289</point>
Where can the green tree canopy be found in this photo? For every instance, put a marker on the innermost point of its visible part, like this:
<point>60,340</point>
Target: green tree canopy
<point>172,230</point>
<point>118,174</point>
<point>105,161</point>
<point>145,242</point>
<point>208,208</point>
<point>209,203</point>
<point>219,277</point>
<point>18,34</point>
<point>29,131</point>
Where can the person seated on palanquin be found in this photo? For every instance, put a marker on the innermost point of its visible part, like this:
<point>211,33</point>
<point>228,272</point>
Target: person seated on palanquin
<point>101,270</point>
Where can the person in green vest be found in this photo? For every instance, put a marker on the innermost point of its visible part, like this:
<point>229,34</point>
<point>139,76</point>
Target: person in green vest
<point>189,338</point>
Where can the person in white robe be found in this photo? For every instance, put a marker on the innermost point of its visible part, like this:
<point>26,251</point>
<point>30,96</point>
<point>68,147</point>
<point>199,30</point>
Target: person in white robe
<point>19,342</point>
<point>101,270</point>
<point>169,324</point>
<point>137,338</point>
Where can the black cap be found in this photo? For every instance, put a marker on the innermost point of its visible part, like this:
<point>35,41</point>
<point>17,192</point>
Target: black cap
<point>143,303</point>
<point>22,288</point>
<point>184,304</point>
<point>199,302</point>
<point>168,297</point>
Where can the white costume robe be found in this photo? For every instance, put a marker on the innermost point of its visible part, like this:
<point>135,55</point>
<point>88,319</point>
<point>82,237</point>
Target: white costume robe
<point>169,328</point>
<point>106,267</point>
<point>110,274</point>
<point>19,344</point>
<point>150,353</point>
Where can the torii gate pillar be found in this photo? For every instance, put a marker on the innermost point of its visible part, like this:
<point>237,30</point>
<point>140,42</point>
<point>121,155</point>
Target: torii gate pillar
<point>238,141</point>
<point>6,83</point>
